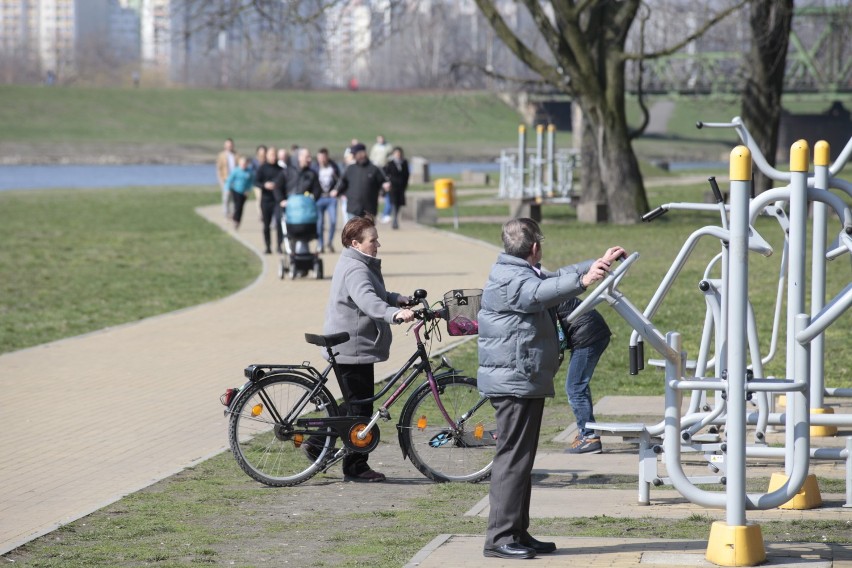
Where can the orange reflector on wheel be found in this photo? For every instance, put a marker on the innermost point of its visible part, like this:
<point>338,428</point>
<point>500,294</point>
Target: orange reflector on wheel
<point>479,431</point>
<point>421,422</point>
<point>298,439</point>
<point>257,409</point>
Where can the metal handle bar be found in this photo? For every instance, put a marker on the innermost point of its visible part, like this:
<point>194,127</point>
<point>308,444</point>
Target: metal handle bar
<point>610,281</point>
<point>737,124</point>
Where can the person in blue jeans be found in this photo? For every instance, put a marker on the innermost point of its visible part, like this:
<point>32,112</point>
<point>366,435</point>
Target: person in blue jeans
<point>329,175</point>
<point>587,338</point>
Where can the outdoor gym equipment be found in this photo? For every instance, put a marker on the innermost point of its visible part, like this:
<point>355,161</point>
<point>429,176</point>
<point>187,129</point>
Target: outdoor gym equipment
<point>736,542</point>
<point>824,178</point>
<point>540,173</point>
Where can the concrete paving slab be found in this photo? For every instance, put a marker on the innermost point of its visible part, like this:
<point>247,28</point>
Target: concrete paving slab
<point>565,502</point>
<point>465,551</point>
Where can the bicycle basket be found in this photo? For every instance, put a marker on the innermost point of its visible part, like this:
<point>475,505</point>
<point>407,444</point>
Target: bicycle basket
<point>461,309</point>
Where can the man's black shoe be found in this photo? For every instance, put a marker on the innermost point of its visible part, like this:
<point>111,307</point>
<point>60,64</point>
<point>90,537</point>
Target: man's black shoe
<point>539,546</point>
<point>510,550</point>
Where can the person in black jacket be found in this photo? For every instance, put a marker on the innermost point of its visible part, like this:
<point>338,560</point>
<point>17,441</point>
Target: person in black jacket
<point>362,182</point>
<point>587,337</point>
<point>292,181</point>
<point>264,179</point>
<point>396,171</point>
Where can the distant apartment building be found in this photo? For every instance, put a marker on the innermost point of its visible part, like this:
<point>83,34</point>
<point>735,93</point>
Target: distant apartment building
<point>50,37</point>
<point>348,33</point>
<point>124,35</point>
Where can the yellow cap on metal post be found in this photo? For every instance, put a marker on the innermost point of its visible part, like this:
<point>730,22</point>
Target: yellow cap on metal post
<point>740,164</point>
<point>822,153</point>
<point>799,156</point>
<point>522,129</point>
<point>551,128</point>
<point>539,128</point>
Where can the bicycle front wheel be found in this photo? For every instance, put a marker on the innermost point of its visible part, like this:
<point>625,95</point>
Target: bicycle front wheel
<point>439,451</point>
<point>262,430</point>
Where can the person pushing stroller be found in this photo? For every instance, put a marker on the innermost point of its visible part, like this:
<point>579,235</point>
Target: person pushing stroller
<point>297,193</point>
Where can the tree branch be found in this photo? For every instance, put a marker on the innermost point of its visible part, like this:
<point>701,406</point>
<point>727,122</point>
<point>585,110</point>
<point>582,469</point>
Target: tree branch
<point>640,93</point>
<point>691,37</point>
<point>520,81</point>
<point>516,46</point>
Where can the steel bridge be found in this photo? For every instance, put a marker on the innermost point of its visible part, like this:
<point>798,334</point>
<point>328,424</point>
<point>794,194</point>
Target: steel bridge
<point>819,58</point>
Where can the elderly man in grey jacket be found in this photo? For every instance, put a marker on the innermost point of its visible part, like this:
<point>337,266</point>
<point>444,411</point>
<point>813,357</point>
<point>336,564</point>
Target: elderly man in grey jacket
<point>518,359</point>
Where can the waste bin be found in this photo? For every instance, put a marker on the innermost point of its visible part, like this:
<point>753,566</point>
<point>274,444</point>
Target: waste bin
<point>445,196</point>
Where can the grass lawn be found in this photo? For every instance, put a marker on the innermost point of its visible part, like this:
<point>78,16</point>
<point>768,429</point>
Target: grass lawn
<point>61,245</point>
<point>74,261</point>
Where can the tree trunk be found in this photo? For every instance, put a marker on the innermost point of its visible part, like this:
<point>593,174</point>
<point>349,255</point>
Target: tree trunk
<point>621,177</point>
<point>593,191</point>
<point>770,22</point>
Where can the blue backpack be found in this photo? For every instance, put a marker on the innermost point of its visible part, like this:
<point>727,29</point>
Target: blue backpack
<point>301,210</point>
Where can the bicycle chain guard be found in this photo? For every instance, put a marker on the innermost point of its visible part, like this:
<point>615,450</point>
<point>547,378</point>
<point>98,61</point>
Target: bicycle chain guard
<point>344,427</point>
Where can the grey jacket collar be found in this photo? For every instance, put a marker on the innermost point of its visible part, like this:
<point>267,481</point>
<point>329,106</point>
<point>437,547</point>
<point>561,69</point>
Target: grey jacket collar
<point>504,258</point>
<point>371,261</point>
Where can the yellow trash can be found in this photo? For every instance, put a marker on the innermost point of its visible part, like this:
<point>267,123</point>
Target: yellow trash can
<point>445,196</point>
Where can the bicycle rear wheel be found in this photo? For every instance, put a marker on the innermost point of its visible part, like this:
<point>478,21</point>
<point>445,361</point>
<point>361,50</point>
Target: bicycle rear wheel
<point>436,450</point>
<point>262,424</point>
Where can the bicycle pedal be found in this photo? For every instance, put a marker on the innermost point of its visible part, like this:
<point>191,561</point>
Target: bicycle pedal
<point>441,439</point>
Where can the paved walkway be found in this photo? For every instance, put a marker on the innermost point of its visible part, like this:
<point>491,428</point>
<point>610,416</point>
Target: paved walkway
<point>90,419</point>
<point>560,497</point>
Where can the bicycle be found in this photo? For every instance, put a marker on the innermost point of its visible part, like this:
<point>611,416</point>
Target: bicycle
<point>285,424</point>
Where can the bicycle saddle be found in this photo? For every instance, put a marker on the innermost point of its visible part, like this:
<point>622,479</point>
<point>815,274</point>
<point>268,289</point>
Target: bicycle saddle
<point>327,340</point>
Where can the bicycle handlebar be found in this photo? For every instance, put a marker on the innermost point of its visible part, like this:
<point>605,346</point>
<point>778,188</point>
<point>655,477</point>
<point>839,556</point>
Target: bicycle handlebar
<point>426,313</point>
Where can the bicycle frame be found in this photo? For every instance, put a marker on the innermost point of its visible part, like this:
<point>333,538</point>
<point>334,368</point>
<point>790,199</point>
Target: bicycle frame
<point>423,365</point>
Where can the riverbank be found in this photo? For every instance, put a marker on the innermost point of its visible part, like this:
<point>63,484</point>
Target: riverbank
<point>79,125</point>
<point>108,154</point>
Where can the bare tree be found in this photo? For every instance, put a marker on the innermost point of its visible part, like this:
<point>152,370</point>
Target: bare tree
<point>586,58</point>
<point>770,22</point>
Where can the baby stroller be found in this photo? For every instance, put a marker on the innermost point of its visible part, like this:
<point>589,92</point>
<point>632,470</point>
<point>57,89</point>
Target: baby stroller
<point>300,228</point>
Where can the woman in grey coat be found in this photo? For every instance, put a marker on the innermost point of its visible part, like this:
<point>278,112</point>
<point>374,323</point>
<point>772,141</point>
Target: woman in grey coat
<point>360,305</point>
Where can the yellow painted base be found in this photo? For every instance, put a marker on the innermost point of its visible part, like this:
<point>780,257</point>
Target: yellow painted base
<point>808,496</point>
<point>817,431</point>
<point>735,546</point>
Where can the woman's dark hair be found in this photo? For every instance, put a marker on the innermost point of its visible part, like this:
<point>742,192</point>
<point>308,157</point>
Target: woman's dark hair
<point>354,229</point>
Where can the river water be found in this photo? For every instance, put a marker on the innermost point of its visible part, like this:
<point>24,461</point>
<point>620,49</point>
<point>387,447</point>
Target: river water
<point>88,176</point>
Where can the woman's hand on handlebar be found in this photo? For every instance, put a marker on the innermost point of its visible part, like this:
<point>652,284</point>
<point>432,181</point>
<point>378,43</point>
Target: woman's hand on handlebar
<point>404,316</point>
